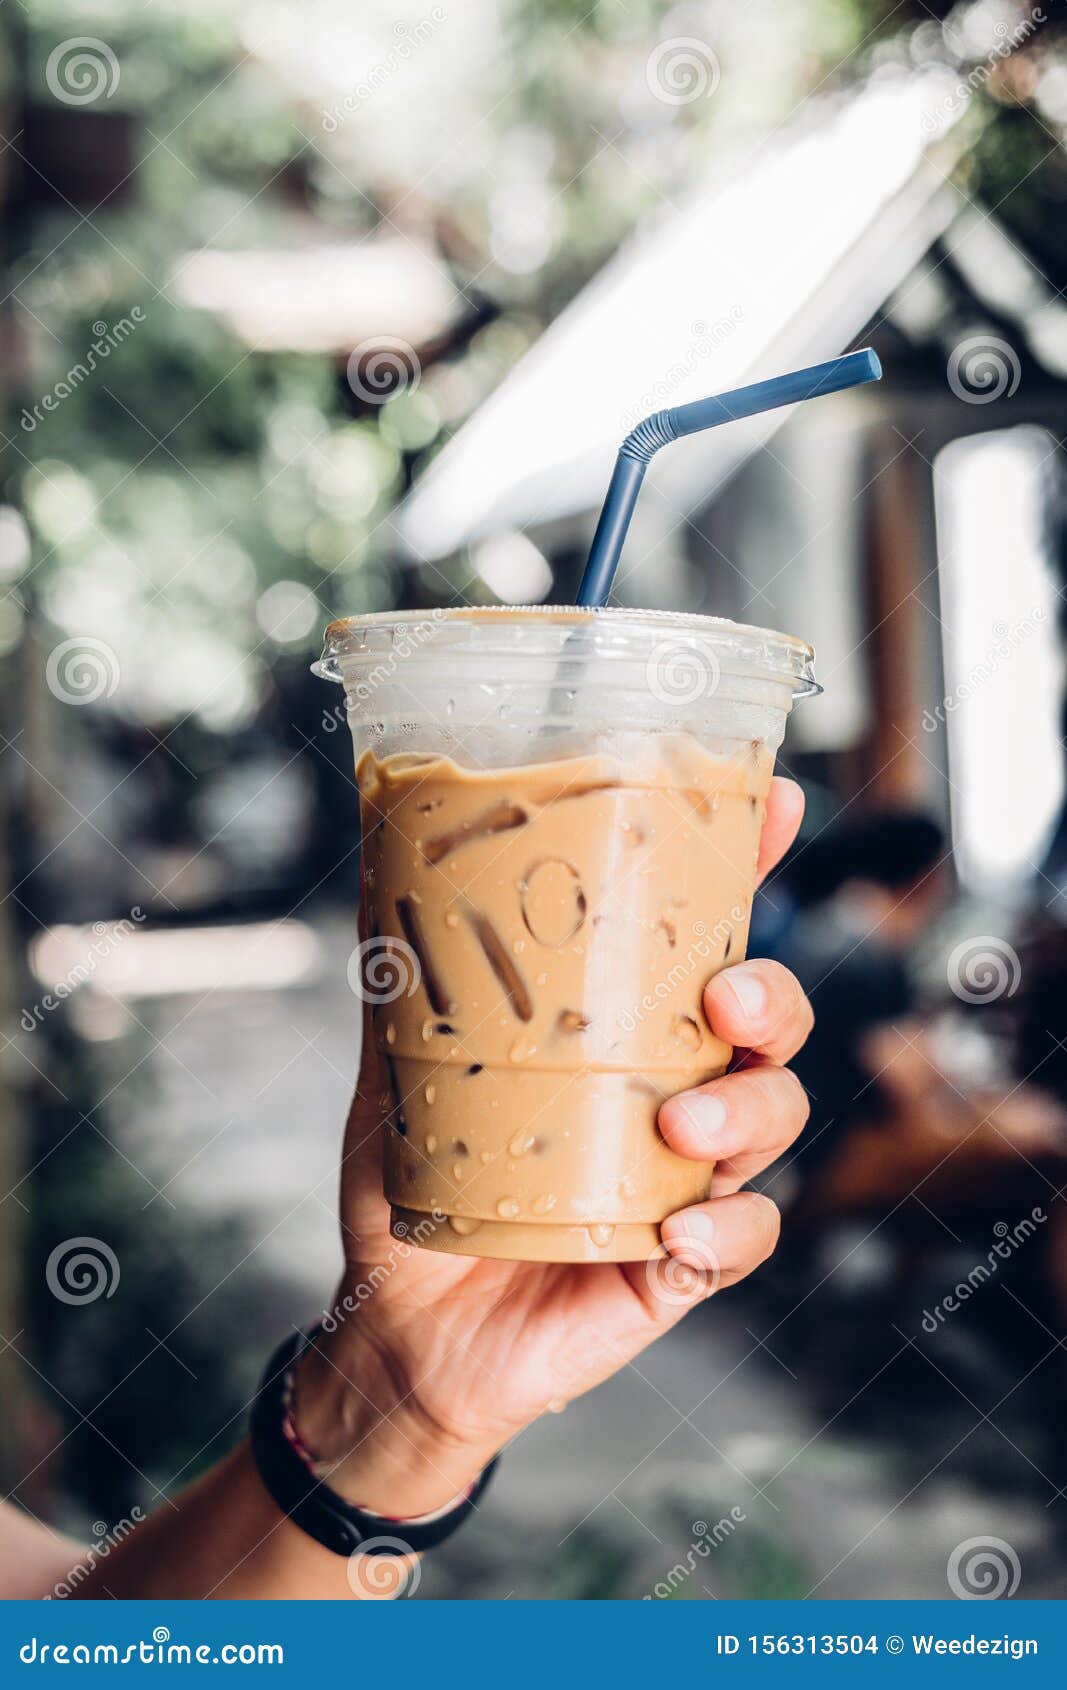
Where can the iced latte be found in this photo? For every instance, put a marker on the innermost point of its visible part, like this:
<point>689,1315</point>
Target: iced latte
<point>552,917</point>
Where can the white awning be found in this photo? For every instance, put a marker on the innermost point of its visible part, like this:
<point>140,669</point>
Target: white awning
<point>777,262</point>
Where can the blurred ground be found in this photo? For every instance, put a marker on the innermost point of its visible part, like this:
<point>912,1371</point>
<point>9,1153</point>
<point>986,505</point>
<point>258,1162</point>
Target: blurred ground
<point>805,1455</point>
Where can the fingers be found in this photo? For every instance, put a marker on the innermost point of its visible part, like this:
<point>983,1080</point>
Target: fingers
<point>759,1006</point>
<point>722,1240</point>
<point>781,822</point>
<point>742,1123</point>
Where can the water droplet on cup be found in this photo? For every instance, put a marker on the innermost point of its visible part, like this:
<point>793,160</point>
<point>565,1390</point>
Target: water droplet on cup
<point>507,1208</point>
<point>463,1224</point>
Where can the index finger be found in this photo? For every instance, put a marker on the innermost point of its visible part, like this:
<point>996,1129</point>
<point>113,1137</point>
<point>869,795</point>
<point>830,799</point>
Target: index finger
<point>781,823</point>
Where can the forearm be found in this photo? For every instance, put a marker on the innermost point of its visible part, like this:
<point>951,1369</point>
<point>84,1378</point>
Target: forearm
<point>225,1536</point>
<point>34,1559</point>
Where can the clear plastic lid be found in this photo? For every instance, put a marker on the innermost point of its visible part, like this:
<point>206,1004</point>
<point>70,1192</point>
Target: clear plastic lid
<point>506,631</point>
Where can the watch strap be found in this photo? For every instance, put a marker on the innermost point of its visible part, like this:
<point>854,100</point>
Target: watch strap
<point>310,1502</point>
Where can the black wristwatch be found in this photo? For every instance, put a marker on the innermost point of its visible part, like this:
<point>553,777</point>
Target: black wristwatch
<point>308,1501</point>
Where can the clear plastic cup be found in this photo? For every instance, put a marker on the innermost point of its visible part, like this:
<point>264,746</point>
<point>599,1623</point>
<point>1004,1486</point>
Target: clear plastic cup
<point>561,812</point>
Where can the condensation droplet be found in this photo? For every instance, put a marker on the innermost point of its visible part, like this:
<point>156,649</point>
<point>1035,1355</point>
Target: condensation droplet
<point>390,1034</point>
<point>601,1234</point>
<point>457,1171</point>
<point>542,978</point>
<point>451,918</point>
<point>485,1155</point>
<point>520,1144</point>
<point>463,1224</point>
<point>521,1049</point>
<point>431,1143</point>
<point>545,1204</point>
<point>507,1208</point>
<point>556,1406</point>
<point>430,1093</point>
<point>427,1031</point>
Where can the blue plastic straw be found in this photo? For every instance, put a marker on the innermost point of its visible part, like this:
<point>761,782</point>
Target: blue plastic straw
<point>644,441</point>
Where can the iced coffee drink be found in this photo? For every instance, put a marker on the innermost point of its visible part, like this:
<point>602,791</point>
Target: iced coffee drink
<point>552,919</point>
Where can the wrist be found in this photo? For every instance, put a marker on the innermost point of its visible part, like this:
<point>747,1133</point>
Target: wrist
<point>368,1439</point>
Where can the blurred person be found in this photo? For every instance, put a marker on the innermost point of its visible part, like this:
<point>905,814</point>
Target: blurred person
<point>896,1127</point>
<point>863,893</point>
<point>384,1422</point>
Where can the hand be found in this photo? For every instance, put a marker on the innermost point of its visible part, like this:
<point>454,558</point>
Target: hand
<point>437,1360</point>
